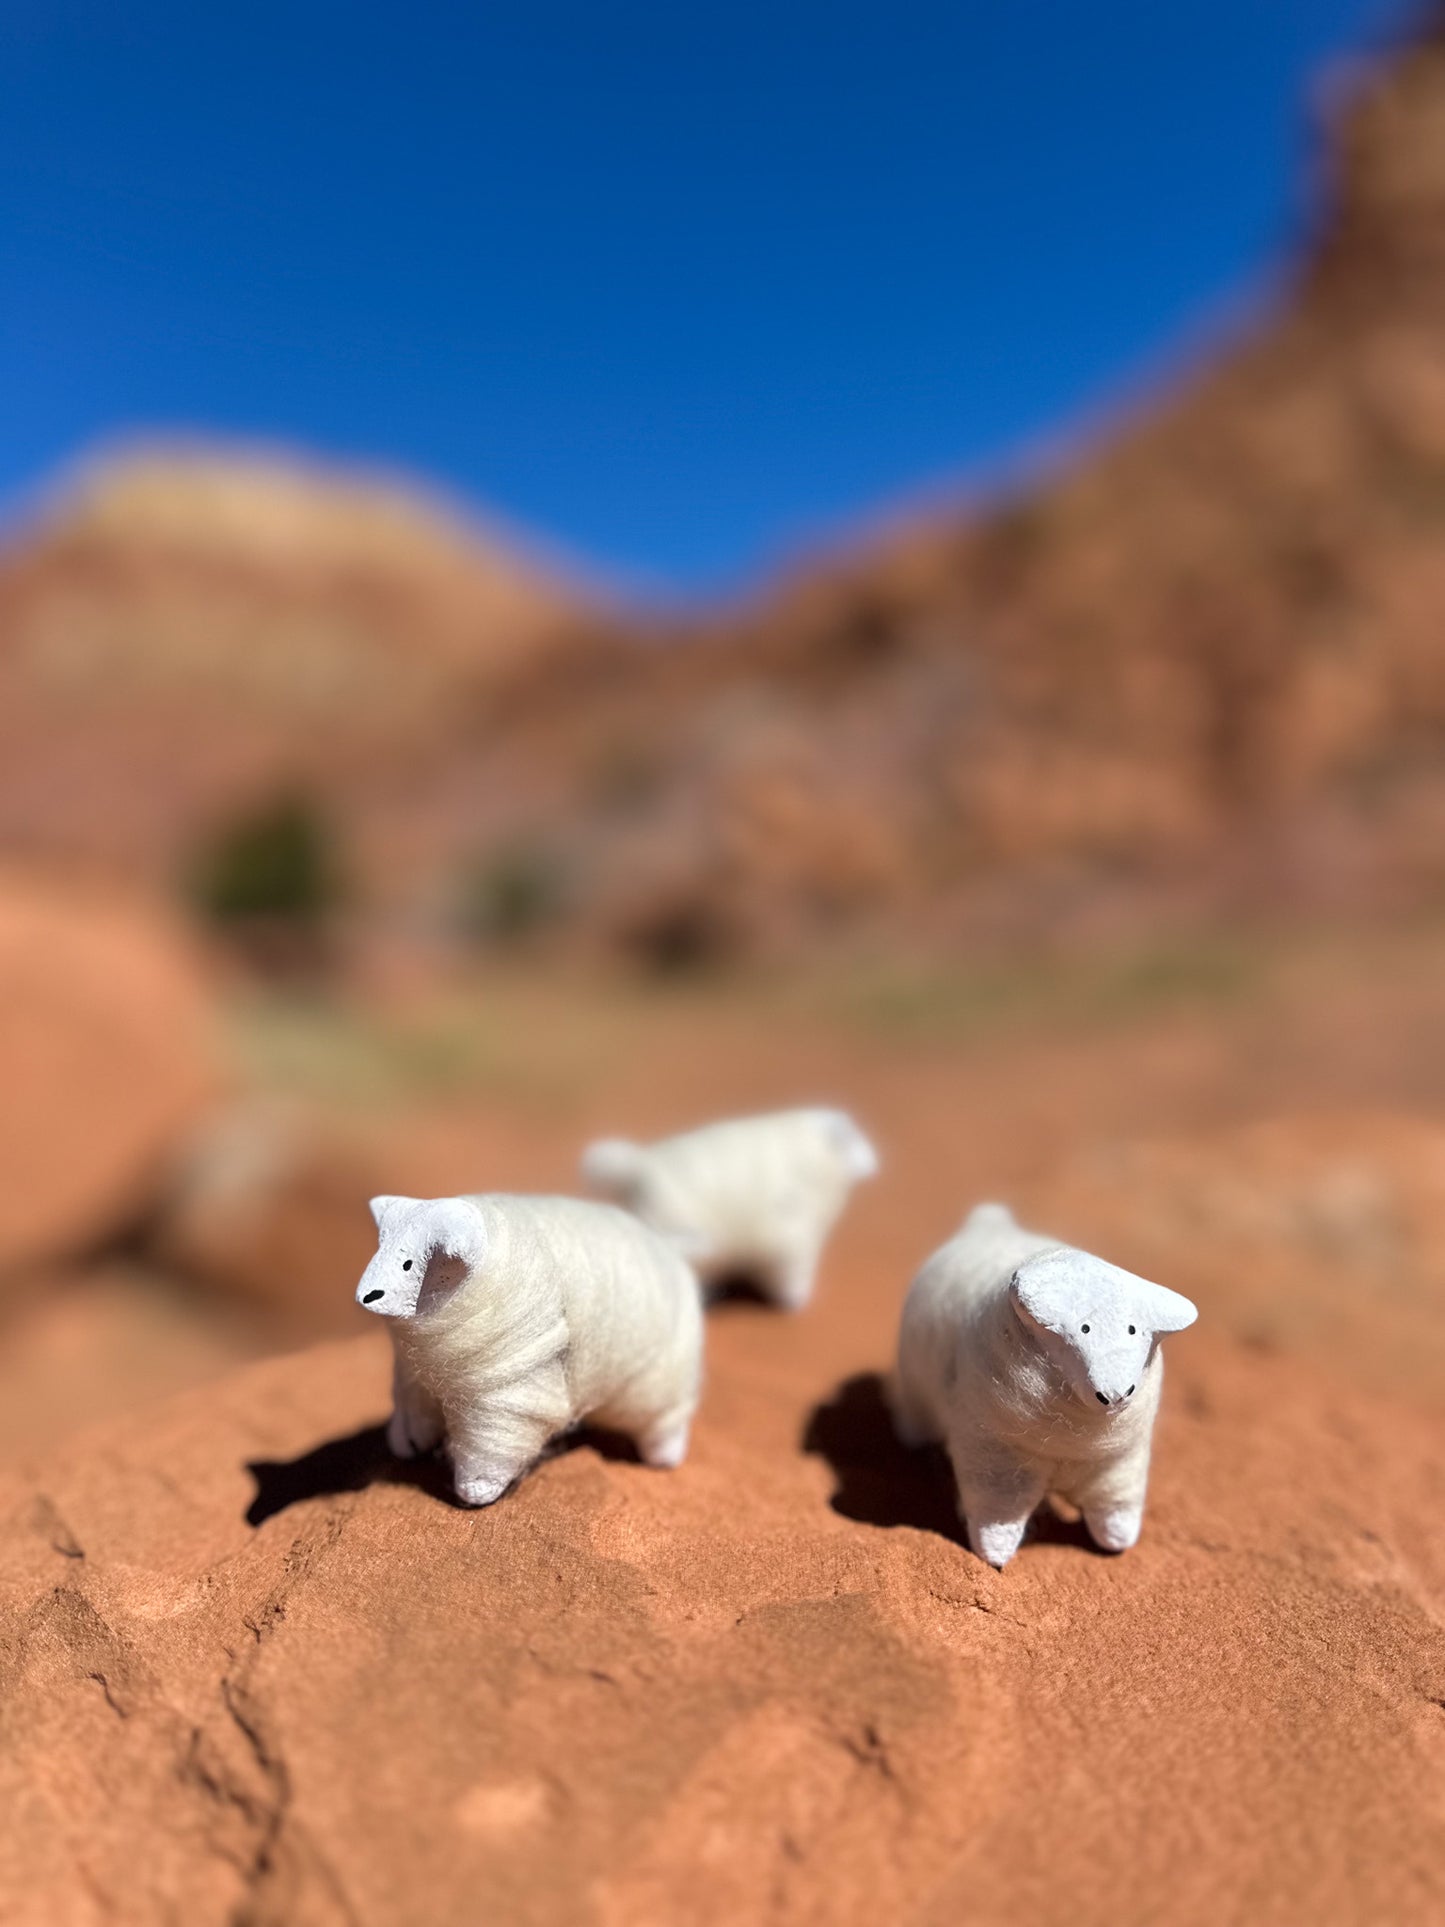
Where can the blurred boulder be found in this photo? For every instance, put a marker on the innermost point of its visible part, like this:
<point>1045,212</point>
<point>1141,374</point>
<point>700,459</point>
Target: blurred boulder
<point>105,1059</point>
<point>269,1205</point>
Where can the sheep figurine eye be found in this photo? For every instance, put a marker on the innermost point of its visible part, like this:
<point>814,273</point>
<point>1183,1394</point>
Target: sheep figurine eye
<point>1083,1328</point>
<point>1131,1331</point>
<point>407,1267</point>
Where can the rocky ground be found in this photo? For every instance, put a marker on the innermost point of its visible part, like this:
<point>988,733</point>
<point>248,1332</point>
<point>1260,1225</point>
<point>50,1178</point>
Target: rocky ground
<point>252,1671</point>
<point>255,1672</point>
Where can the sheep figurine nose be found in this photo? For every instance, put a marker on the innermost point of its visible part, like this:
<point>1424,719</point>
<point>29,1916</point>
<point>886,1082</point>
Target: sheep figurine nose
<point>1119,1398</point>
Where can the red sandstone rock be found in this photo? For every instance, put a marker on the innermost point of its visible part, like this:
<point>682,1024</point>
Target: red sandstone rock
<point>105,1060</point>
<point>254,1671</point>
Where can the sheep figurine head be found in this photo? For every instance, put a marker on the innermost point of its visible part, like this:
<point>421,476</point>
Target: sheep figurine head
<point>1098,1324</point>
<point>426,1248</point>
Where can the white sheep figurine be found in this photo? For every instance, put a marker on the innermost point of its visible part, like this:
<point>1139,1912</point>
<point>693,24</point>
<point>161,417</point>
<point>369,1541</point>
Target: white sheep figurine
<point>754,1197</point>
<point>515,1318</point>
<point>1039,1369</point>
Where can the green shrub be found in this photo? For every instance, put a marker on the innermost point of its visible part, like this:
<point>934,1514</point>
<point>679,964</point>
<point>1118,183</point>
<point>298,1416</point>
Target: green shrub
<point>273,865</point>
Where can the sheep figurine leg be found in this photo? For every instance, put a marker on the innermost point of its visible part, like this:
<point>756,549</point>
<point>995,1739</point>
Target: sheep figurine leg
<point>416,1425</point>
<point>794,1287</point>
<point>791,1275</point>
<point>479,1478</point>
<point>514,1319</point>
<point>663,1441</point>
<point>753,1197</point>
<point>996,1506</point>
<point>1112,1501</point>
<point>486,1462</point>
<point>1039,1368</point>
<point>493,1442</point>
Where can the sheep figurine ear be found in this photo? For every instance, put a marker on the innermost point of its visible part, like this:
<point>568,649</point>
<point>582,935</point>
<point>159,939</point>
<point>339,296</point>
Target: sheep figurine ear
<point>1055,1287</point>
<point>384,1207</point>
<point>456,1230</point>
<point>1168,1311</point>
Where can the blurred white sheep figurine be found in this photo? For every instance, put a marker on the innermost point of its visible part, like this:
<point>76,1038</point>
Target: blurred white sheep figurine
<point>1039,1368</point>
<point>754,1197</point>
<point>515,1318</point>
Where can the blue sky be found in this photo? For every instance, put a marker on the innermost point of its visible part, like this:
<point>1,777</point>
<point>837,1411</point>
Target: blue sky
<point>681,288</point>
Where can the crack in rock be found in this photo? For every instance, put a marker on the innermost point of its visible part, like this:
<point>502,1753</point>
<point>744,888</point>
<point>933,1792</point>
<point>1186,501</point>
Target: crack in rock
<point>279,1862</point>
<point>121,1712</point>
<point>870,1750</point>
<point>48,1523</point>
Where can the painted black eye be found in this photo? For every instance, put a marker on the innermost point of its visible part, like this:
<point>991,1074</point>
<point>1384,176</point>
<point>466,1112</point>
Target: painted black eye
<point>407,1267</point>
<point>1131,1331</point>
<point>1083,1328</point>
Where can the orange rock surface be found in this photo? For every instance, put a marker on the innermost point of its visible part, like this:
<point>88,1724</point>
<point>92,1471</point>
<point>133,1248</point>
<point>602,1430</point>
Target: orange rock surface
<point>256,1671</point>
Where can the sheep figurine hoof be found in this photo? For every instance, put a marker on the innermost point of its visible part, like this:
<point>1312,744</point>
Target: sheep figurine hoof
<point>1039,1368</point>
<point>411,1434</point>
<point>753,1197</point>
<point>515,1318</point>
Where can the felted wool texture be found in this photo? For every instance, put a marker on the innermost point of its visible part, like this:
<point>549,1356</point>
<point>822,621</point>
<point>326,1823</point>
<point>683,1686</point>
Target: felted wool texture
<point>754,1197</point>
<point>1039,1368</point>
<point>532,1314</point>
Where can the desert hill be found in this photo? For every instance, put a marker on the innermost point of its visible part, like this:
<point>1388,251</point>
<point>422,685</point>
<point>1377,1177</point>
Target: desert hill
<point>185,632</point>
<point>1201,664</point>
<point>1197,669</point>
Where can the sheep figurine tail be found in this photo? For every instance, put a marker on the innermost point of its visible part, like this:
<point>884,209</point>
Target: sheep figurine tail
<point>613,1165</point>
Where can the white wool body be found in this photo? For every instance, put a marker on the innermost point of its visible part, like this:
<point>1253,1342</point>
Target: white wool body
<point>754,1196</point>
<point>527,1316</point>
<point>1039,1368</point>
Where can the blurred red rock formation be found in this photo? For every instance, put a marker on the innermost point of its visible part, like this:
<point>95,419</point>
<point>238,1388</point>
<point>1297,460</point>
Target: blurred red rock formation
<point>1196,669</point>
